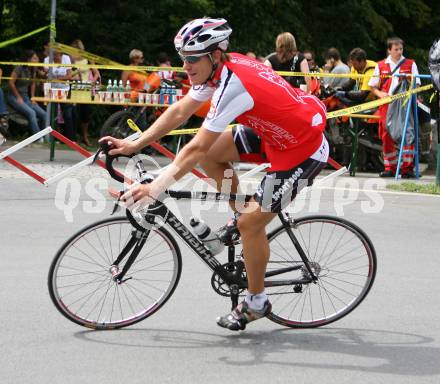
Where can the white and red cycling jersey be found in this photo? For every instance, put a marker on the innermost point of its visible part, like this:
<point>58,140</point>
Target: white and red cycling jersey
<point>289,121</point>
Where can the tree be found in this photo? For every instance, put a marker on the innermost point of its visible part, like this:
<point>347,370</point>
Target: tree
<point>112,29</point>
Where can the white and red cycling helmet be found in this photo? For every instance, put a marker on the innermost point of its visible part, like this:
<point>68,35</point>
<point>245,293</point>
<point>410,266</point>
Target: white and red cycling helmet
<point>203,36</point>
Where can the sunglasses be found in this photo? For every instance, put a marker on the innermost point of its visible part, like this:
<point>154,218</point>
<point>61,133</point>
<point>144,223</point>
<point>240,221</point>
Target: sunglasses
<point>192,59</point>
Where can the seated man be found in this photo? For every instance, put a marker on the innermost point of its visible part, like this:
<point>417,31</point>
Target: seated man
<point>286,121</point>
<point>358,90</point>
<point>334,65</point>
<point>21,86</point>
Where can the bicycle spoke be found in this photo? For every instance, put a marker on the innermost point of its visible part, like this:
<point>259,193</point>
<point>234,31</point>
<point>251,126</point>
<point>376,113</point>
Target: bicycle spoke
<point>85,261</point>
<point>82,272</point>
<point>104,298</point>
<point>149,268</point>
<point>106,261</point>
<point>343,281</point>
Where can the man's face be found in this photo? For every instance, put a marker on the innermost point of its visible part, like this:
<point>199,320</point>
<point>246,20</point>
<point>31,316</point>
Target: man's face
<point>396,52</point>
<point>359,65</point>
<point>57,56</point>
<point>330,63</point>
<point>309,58</point>
<point>198,72</point>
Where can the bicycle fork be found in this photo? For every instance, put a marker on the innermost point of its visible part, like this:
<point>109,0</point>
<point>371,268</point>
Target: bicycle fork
<point>136,242</point>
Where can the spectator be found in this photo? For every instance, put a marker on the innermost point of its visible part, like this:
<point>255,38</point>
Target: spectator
<point>3,111</point>
<point>18,95</point>
<point>252,55</point>
<point>334,65</point>
<point>45,52</point>
<point>382,87</point>
<point>315,82</point>
<point>357,89</point>
<point>64,74</point>
<point>137,79</point>
<point>310,57</point>
<point>287,58</point>
<point>84,75</point>
<point>162,60</point>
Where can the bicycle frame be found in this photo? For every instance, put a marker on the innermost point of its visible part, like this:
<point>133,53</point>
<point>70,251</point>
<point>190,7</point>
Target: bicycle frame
<point>159,210</point>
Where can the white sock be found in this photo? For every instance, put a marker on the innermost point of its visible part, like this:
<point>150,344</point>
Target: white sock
<point>257,301</point>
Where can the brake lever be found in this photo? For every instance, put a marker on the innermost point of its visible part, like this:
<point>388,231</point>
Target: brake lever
<point>96,155</point>
<point>104,147</point>
<point>116,205</point>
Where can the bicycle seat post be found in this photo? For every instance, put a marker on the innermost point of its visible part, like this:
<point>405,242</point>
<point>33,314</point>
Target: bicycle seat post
<point>231,253</point>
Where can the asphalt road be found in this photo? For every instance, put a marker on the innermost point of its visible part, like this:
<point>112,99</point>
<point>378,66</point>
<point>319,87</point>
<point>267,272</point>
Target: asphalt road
<point>392,337</point>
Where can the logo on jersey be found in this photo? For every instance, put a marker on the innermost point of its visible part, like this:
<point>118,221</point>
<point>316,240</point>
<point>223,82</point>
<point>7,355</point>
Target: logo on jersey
<point>273,134</point>
<point>280,82</point>
<point>317,120</point>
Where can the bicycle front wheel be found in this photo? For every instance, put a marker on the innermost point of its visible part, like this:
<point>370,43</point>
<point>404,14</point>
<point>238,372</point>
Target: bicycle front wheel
<point>82,287</point>
<point>342,257</point>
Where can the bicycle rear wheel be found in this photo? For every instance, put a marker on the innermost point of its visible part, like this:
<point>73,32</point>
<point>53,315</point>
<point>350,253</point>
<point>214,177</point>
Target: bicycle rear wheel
<point>82,287</point>
<point>344,260</point>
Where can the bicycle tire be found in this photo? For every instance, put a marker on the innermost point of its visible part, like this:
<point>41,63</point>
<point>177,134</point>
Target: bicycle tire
<point>116,124</point>
<point>83,290</point>
<point>344,261</point>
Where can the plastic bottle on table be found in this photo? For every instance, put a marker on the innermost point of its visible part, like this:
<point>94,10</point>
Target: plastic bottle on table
<point>162,94</point>
<point>127,94</point>
<point>173,94</point>
<point>115,95</point>
<point>108,91</point>
<point>204,233</point>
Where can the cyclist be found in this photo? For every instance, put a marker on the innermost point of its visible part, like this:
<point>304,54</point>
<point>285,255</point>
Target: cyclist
<point>286,122</point>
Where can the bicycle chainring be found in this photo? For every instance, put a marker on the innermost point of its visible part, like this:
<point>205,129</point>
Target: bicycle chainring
<point>220,286</point>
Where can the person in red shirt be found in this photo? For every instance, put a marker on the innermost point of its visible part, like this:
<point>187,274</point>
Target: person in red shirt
<point>277,121</point>
<point>382,87</point>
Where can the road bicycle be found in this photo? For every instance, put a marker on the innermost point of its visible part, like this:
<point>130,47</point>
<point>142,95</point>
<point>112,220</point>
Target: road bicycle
<point>121,270</point>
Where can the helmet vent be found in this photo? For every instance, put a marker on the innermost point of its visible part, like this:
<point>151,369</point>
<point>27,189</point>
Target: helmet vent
<point>203,38</point>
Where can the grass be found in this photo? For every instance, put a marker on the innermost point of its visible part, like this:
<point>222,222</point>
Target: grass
<point>430,189</point>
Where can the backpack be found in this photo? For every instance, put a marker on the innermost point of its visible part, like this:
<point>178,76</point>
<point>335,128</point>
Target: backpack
<point>396,116</point>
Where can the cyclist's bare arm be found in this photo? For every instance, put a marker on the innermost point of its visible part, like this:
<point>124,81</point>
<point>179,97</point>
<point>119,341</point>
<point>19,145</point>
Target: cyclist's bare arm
<point>187,159</point>
<point>173,117</point>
